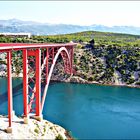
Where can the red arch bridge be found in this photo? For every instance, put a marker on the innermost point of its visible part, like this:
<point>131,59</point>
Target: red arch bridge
<point>38,63</point>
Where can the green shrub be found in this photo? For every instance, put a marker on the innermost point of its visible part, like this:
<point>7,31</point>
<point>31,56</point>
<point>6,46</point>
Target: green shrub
<point>36,130</point>
<point>59,137</point>
<point>90,79</point>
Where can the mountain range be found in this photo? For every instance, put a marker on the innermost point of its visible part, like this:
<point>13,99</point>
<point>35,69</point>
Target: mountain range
<point>37,28</point>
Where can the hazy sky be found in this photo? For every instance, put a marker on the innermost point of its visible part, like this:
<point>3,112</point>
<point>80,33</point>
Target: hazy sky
<point>74,12</point>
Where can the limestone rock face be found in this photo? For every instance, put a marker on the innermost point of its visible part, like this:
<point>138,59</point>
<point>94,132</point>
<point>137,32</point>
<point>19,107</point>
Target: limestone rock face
<point>76,79</point>
<point>33,130</point>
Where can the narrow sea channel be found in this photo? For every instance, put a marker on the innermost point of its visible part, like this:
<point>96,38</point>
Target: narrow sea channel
<point>88,111</point>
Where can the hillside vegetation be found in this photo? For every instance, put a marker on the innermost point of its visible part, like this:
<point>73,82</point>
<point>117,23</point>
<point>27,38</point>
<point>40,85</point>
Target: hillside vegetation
<point>112,59</point>
<point>101,38</point>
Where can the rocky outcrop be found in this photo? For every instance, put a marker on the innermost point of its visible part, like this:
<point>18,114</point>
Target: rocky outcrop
<point>33,130</point>
<point>76,79</point>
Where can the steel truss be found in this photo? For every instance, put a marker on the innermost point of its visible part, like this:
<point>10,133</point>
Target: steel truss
<point>38,65</point>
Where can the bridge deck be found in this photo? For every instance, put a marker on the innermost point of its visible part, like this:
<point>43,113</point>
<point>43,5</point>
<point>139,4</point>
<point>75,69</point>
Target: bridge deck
<point>21,46</point>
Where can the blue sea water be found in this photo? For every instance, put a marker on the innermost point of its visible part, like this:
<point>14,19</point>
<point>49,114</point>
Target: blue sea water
<point>87,111</point>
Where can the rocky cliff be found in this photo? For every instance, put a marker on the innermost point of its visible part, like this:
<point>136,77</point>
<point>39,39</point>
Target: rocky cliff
<point>102,64</point>
<point>33,130</point>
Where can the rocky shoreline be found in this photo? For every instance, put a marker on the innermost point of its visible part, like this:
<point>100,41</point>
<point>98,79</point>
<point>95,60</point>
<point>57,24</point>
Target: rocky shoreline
<point>76,79</point>
<point>33,130</point>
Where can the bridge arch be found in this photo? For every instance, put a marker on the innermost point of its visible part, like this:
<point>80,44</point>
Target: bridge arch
<point>59,52</point>
<point>32,73</point>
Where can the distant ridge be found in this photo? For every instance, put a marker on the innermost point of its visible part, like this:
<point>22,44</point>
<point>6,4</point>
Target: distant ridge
<point>37,28</point>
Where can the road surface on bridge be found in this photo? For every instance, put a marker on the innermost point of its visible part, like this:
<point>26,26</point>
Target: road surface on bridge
<point>20,46</point>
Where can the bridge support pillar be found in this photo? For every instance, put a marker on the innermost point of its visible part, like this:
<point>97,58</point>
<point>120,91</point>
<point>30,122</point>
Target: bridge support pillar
<point>47,69</point>
<point>9,82</point>
<point>71,57</point>
<point>38,84</point>
<point>36,91</point>
<point>25,85</point>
